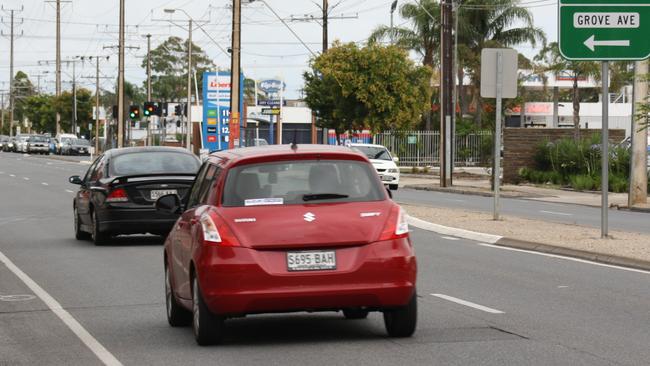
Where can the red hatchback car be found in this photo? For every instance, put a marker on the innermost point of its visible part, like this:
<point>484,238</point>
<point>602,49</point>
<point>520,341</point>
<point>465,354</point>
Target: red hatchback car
<point>284,229</point>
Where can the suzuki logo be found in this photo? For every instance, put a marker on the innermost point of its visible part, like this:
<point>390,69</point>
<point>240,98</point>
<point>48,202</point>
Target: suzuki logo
<point>309,217</point>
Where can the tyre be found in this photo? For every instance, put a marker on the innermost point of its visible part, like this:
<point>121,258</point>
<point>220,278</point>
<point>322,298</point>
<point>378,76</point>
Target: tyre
<point>99,238</point>
<point>177,316</point>
<point>355,313</point>
<point>401,322</point>
<point>208,328</point>
<point>393,187</point>
<point>78,233</point>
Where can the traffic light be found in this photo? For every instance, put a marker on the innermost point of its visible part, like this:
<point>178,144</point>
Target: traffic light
<point>178,109</point>
<point>150,109</point>
<point>134,112</point>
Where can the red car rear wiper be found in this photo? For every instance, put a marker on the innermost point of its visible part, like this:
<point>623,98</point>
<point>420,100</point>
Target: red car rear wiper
<point>323,196</point>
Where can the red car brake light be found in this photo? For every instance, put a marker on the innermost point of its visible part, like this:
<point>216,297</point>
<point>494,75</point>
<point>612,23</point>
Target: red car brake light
<point>117,195</point>
<point>216,232</point>
<point>396,225</point>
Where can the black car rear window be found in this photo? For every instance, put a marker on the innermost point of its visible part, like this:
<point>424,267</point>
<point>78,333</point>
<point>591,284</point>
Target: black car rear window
<point>301,182</point>
<point>153,162</point>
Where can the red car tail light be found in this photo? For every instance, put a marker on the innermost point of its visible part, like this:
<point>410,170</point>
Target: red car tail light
<point>216,232</point>
<point>117,195</point>
<point>396,225</point>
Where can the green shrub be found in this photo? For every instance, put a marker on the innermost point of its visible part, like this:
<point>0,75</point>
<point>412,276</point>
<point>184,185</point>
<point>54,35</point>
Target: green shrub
<point>582,182</point>
<point>618,183</point>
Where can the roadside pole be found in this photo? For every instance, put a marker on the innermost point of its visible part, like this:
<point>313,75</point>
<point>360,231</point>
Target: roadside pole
<point>605,151</point>
<point>500,84</point>
<point>497,136</point>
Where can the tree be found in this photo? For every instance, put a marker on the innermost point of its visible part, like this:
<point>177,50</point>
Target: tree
<point>23,88</point>
<point>499,23</point>
<point>423,36</point>
<point>169,69</point>
<point>555,62</point>
<point>374,87</point>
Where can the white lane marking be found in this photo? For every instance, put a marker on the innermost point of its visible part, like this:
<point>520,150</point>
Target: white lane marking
<point>556,213</point>
<point>25,178</point>
<point>97,348</point>
<point>449,238</point>
<point>45,184</point>
<point>69,191</point>
<point>12,175</point>
<point>566,258</point>
<point>468,303</point>
<point>563,287</point>
<point>450,231</point>
<point>454,200</point>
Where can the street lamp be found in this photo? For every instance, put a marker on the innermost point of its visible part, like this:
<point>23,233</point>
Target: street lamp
<point>393,6</point>
<point>189,75</point>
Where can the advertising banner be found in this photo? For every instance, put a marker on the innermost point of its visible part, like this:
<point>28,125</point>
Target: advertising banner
<point>216,125</point>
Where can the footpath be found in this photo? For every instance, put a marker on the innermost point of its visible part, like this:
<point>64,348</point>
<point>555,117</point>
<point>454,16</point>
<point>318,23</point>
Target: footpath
<point>622,248</point>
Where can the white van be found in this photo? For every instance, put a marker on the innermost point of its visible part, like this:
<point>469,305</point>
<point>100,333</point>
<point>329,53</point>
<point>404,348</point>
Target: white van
<point>62,138</point>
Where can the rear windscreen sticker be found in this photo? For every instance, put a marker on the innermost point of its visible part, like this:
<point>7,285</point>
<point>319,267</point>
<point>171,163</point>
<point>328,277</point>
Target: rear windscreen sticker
<point>264,201</point>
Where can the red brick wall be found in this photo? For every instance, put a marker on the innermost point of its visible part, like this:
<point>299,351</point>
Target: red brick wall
<point>519,146</point>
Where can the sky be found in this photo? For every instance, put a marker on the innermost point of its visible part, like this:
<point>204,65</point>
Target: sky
<point>269,49</point>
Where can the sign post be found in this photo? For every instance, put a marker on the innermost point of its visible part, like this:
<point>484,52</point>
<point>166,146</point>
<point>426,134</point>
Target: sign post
<point>604,30</point>
<point>500,84</point>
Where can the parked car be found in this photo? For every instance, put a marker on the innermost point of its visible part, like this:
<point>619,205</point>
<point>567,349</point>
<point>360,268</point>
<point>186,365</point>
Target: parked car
<point>10,145</point>
<point>118,192</point>
<point>287,229</point>
<point>383,161</point>
<point>75,147</point>
<point>21,143</point>
<point>61,139</point>
<point>3,141</point>
<point>37,144</point>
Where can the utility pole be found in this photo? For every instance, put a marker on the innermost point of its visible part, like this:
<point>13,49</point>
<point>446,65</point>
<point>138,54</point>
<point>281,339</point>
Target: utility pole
<point>235,65</point>
<point>325,31</point>
<point>446,92</point>
<point>120,81</point>
<point>189,86</point>
<point>638,176</point>
<point>74,98</point>
<point>12,36</point>
<point>97,107</point>
<point>58,55</point>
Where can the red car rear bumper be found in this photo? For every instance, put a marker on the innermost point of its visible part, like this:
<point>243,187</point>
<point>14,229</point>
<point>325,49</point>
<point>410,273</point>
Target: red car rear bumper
<point>237,281</point>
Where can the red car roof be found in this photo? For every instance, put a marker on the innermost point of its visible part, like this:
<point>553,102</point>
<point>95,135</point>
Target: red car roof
<point>285,152</point>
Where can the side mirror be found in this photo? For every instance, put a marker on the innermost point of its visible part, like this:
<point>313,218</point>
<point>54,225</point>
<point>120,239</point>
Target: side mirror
<point>395,159</point>
<point>169,204</point>
<point>75,179</point>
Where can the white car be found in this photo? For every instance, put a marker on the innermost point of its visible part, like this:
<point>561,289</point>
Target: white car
<point>21,143</point>
<point>383,162</point>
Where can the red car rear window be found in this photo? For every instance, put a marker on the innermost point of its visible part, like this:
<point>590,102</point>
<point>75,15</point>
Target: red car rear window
<point>300,182</point>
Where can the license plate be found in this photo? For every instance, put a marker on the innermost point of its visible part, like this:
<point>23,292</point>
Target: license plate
<point>311,261</point>
<point>162,192</point>
<point>386,178</point>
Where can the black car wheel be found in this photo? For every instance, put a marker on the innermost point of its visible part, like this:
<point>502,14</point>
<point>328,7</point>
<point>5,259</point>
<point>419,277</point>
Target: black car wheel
<point>208,328</point>
<point>355,313</point>
<point>393,187</point>
<point>78,233</point>
<point>99,238</point>
<point>177,316</point>
<point>401,322</point>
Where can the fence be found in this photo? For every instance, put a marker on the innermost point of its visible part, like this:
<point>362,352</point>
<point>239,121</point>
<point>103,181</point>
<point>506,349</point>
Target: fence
<point>422,148</point>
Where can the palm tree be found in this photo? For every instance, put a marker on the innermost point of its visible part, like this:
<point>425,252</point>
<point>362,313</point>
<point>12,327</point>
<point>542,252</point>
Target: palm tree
<point>554,62</point>
<point>422,37</point>
<point>497,23</point>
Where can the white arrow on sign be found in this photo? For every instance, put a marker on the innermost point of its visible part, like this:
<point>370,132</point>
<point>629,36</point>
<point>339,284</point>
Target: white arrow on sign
<point>591,43</point>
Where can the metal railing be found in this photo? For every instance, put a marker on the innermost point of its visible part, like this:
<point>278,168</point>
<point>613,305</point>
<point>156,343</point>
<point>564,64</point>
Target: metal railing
<point>422,148</point>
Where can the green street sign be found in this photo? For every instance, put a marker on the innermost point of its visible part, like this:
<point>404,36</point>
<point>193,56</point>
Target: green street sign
<point>604,30</point>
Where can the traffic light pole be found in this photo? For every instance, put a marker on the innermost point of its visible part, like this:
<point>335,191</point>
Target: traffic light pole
<point>120,81</point>
<point>149,139</point>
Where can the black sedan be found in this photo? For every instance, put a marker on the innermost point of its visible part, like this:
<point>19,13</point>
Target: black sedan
<point>118,192</point>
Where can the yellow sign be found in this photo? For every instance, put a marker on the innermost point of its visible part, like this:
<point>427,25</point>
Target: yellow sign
<point>212,121</point>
